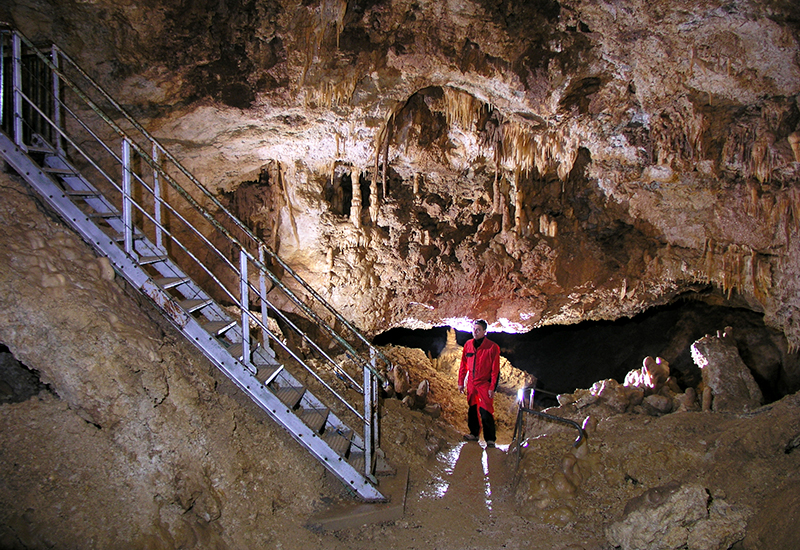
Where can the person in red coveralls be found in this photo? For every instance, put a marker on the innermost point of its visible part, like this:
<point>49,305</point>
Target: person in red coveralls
<point>478,375</point>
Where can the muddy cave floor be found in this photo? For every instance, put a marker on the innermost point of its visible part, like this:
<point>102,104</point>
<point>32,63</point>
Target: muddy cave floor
<point>461,495</point>
<point>469,496</point>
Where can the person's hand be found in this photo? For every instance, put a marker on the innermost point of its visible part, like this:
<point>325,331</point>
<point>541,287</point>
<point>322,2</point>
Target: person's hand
<point>461,389</point>
<point>491,394</point>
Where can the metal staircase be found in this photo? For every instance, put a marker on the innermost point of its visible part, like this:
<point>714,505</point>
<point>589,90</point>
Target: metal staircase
<point>305,365</point>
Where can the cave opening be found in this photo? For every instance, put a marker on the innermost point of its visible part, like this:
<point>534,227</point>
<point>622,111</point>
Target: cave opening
<point>18,383</point>
<point>565,358</point>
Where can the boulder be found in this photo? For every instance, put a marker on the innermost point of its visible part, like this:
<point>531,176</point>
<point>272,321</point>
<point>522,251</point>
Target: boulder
<point>731,383</point>
<point>678,516</point>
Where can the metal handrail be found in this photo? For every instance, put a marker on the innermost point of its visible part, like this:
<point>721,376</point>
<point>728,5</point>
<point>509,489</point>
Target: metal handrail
<point>151,159</point>
<point>241,226</point>
<point>518,436</point>
<point>58,70</point>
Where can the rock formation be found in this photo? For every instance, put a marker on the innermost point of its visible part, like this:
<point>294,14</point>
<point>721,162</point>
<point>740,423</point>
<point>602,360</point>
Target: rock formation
<point>529,163</point>
<point>421,163</point>
<point>733,387</point>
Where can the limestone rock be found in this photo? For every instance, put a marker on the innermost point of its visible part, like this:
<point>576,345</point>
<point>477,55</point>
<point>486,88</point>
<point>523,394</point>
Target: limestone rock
<point>653,375</point>
<point>731,383</point>
<point>677,516</point>
<point>657,405</point>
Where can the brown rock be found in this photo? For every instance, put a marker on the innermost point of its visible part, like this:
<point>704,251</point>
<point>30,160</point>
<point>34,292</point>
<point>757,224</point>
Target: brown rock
<point>726,375</point>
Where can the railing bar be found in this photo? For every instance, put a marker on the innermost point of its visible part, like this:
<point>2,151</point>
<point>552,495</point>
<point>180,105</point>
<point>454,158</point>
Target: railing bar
<point>16,88</point>
<point>56,104</point>
<point>244,304</point>
<point>157,200</point>
<point>316,346</point>
<point>262,283</point>
<point>309,369</point>
<point>127,217</point>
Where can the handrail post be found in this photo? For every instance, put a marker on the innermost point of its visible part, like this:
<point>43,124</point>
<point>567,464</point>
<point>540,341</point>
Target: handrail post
<point>262,284</point>
<point>58,140</point>
<point>370,415</point>
<point>127,209</point>
<point>245,307</point>
<point>158,211</point>
<point>16,87</point>
<point>2,77</point>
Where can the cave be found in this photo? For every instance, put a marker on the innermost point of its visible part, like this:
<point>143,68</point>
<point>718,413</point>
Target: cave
<point>613,186</point>
<point>557,356</point>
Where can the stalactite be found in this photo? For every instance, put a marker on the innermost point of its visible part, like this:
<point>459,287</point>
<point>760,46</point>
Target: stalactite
<point>417,178</point>
<point>761,157</point>
<point>461,108</point>
<point>287,199</point>
<point>332,93</point>
<point>519,211</point>
<point>382,140</point>
<point>527,150</point>
<point>388,140</point>
<point>496,185</point>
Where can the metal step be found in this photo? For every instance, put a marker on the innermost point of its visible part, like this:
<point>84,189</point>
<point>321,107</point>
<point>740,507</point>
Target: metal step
<point>314,418</point>
<point>338,439</point>
<point>236,351</point>
<point>147,260</point>
<point>357,460</point>
<point>80,193</point>
<point>105,215</point>
<point>41,148</point>
<point>59,171</point>
<point>170,282</point>
<point>120,238</point>
<point>219,327</point>
<point>193,305</point>
<point>290,396</point>
<point>267,373</point>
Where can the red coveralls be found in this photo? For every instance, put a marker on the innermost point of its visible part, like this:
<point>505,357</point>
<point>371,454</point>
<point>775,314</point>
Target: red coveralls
<point>481,368</point>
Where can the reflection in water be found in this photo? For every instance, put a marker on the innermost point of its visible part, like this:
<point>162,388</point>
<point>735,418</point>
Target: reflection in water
<point>487,493</point>
<point>441,482</point>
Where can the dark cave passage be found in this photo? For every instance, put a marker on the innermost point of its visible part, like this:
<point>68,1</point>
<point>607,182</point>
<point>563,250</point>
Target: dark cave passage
<point>566,358</point>
<point>18,383</point>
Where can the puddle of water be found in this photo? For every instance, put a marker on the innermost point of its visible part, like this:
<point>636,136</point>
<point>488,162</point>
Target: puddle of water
<point>487,492</point>
<point>447,462</point>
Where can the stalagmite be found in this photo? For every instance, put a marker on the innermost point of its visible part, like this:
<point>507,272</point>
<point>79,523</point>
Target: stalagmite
<point>794,141</point>
<point>355,206</point>
<point>373,201</point>
<point>504,209</point>
<point>519,212</point>
<point>496,194</point>
<point>706,399</point>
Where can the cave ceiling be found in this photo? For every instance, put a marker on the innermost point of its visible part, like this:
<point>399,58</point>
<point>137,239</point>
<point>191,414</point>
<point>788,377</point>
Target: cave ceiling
<point>529,162</point>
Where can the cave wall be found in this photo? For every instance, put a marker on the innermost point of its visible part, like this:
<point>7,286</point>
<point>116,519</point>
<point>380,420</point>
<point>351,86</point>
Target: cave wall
<point>531,163</point>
